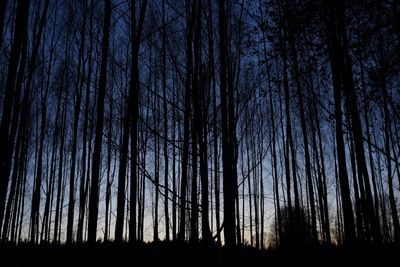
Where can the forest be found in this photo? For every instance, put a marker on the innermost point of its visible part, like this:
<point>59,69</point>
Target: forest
<point>200,132</point>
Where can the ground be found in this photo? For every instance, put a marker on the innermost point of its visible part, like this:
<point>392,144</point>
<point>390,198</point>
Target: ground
<point>175,254</point>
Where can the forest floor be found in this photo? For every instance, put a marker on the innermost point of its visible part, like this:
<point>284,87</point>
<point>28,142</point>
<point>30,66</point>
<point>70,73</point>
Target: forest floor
<point>173,254</point>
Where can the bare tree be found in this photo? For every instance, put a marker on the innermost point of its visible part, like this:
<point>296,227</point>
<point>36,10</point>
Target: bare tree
<point>94,189</point>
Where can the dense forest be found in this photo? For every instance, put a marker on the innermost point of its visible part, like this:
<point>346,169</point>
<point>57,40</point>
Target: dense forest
<point>243,123</point>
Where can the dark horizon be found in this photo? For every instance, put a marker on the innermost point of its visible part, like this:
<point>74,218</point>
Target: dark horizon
<point>271,124</point>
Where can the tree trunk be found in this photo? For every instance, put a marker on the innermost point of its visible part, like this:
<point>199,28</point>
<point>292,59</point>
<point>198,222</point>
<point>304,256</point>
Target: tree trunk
<point>3,8</point>
<point>94,190</point>
<point>335,53</point>
<point>85,158</point>
<point>60,174</point>
<point>186,130</point>
<point>77,111</point>
<point>6,146</point>
<point>165,118</point>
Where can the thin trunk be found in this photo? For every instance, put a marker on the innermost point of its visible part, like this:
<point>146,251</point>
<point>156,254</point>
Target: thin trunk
<point>108,185</point>
<point>351,102</point>
<point>249,192</point>
<point>227,149</point>
<point>135,82</point>
<point>186,130</point>
<point>77,111</point>
<point>34,233</point>
<point>194,225</point>
<point>300,96</point>
<point>174,176</point>
<point>214,122</point>
<point>165,109</point>
<point>3,8</point>
<point>14,127</point>
<point>387,134</point>
<point>6,146</point>
<point>94,190</point>
<point>156,163</point>
<point>335,52</point>
<point>60,174</point>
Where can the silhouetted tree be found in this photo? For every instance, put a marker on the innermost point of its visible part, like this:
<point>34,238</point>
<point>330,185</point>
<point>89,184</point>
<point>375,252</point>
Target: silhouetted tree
<point>94,189</point>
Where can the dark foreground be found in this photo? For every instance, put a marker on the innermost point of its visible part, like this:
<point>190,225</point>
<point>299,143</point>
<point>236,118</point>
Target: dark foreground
<point>172,254</point>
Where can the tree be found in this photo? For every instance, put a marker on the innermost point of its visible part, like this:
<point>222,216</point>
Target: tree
<point>83,185</point>
<point>227,139</point>
<point>335,56</point>
<point>186,119</point>
<point>94,189</point>
<point>130,122</point>
<point>19,38</point>
<point>77,111</point>
<point>3,8</point>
